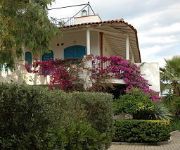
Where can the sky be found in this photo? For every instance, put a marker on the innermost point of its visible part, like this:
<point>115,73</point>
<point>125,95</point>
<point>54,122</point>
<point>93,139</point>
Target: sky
<point>157,23</point>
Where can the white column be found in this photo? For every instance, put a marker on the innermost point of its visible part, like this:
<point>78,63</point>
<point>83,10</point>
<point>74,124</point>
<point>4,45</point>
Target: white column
<point>88,42</point>
<point>127,47</point>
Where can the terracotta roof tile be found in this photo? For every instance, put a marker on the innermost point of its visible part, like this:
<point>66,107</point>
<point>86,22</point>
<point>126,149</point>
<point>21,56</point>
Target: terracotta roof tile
<point>101,22</point>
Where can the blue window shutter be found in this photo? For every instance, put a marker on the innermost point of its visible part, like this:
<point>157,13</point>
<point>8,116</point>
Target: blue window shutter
<point>68,52</point>
<point>48,56</point>
<point>28,58</point>
<point>80,52</point>
<point>75,51</point>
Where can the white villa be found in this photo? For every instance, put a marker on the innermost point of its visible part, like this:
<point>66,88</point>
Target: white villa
<point>86,34</point>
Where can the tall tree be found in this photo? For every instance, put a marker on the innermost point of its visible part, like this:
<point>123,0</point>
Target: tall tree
<point>23,23</point>
<point>170,76</point>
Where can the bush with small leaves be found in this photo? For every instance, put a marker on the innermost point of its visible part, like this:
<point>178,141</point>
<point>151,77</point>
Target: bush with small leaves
<point>33,117</point>
<point>23,119</point>
<point>136,103</point>
<point>141,131</point>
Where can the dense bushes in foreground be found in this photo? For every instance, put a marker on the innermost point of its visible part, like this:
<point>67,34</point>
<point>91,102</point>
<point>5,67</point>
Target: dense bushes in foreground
<point>99,111</point>
<point>139,105</point>
<point>35,118</point>
<point>23,119</point>
<point>146,131</point>
<point>148,124</point>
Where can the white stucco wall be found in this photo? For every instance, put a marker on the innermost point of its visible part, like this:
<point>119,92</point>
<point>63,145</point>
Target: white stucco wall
<point>150,71</point>
<point>74,38</point>
<point>20,75</point>
<point>87,19</point>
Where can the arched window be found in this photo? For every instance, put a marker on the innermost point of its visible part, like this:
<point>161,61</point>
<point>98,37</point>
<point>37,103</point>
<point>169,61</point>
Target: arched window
<point>28,58</point>
<point>75,51</point>
<point>48,56</point>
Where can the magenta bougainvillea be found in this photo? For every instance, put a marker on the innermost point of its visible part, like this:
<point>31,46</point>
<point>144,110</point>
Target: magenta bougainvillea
<point>63,76</point>
<point>119,68</point>
<point>60,77</point>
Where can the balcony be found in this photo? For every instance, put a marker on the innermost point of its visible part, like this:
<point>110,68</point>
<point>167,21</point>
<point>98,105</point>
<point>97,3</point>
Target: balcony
<point>91,69</point>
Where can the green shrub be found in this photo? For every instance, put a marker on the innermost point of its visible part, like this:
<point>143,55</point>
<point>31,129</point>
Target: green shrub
<point>175,124</point>
<point>79,136</point>
<point>146,131</point>
<point>162,112</point>
<point>33,117</point>
<point>23,120</point>
<point>176,106</point>
<point>99,112</point>
<point>81,120</point>
<point>173,104</point>
<point>136,103</point>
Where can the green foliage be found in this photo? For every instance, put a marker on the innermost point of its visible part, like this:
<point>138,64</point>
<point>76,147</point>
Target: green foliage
<point>170,76</point>
<point>136,103</point>
<point>34,118</point>
<point>78,135</point>
<point>23,120</point>
<point>146,131</point>
<point>162,112</point>
<point>176,106</point>
<point>23,24</point>
<point>173,104</point>
<point>175,124</point>
<point>81,120</point>
<point>99,111</point>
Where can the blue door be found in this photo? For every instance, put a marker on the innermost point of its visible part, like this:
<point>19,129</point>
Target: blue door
<point>76,51</point>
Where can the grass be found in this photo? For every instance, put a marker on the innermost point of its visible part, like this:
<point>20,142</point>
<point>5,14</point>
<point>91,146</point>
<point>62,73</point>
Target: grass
<point>175,124</point>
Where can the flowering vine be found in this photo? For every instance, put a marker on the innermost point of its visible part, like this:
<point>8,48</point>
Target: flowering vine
<point>119,68</point>
<point>65,75</point>
<point>62,74</point>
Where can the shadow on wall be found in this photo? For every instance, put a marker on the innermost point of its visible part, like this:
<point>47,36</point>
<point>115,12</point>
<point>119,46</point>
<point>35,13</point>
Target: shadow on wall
<point>20,75</point>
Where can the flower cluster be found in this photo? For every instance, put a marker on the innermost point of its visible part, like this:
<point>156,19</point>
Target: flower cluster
<point>63,75</point>
<point>117,67</point>
<point>60,75</point>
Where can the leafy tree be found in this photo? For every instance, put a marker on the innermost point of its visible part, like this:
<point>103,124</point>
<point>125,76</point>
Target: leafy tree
<point>170,76</point>
<point>23,23</point>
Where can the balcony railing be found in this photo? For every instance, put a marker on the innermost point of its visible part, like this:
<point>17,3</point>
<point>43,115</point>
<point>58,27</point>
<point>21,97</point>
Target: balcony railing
<point>63,21</point>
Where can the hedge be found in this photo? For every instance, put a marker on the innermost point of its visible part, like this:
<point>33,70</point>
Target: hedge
<point>23,119</point>
<point>33,117</point>
<point>85,118</point>
<point>99,111</point>
<point>141,131</point>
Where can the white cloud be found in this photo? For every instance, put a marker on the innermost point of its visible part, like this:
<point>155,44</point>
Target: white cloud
<point>165,30</point>
<point>157,18</point>
<point>150,53</point>
<point>154,40</point>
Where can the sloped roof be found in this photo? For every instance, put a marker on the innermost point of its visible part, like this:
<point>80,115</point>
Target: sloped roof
<point>101,22</point>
